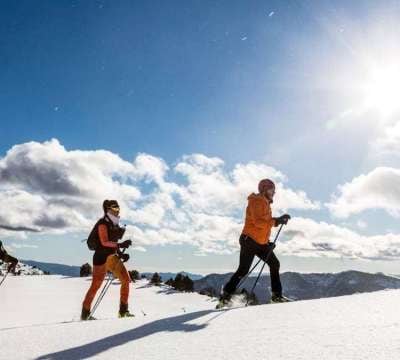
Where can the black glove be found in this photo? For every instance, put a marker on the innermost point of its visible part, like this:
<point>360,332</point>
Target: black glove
<point>124,257</point>
<point>125,244</point>
<point>271,246</point>
<point>282,220</point>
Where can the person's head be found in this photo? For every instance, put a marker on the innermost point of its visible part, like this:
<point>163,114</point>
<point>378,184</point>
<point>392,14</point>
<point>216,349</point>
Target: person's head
<point>111,206</point>
<point>266,187</point>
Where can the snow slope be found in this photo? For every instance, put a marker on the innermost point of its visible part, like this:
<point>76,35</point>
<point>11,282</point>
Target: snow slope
<point>186,326</point>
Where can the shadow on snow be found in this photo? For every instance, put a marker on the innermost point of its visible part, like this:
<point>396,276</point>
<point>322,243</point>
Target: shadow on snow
<point>176,323</point>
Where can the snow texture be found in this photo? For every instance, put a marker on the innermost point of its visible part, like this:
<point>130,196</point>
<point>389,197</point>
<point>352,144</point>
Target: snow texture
<point>186,325</point>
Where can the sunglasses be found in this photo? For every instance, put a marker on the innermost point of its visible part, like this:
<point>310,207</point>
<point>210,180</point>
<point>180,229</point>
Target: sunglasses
<point>116,208</point>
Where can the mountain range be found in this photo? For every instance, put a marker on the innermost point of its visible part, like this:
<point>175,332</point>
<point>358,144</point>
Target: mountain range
<point>305,286</point>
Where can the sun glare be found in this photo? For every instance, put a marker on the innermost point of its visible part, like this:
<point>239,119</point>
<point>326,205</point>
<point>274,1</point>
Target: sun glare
<point>383,90</point>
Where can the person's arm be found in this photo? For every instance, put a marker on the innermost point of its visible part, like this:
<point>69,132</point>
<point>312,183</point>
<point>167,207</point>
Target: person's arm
<point>103,236</point>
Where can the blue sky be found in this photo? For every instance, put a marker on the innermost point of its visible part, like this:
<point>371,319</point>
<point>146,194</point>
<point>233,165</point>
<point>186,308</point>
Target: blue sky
<point>291,85</point>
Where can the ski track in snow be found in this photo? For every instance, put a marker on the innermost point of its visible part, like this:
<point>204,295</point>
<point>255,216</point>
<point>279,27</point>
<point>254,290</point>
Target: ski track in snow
<point>186,325</point>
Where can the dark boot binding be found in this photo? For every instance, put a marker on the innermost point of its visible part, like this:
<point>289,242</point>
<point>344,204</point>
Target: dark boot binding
<point>85,315</point>
<point>124,312</point>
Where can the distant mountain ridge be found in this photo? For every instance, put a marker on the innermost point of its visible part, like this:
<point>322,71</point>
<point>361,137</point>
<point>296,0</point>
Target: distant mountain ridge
<point>74,271</point>
<point>55,269</point>
<point>306,286</point>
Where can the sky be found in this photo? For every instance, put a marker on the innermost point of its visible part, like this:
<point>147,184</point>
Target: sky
<point>178,108</point>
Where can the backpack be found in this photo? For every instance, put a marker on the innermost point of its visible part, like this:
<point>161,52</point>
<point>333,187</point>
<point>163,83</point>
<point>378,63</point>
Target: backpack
<point>93,238</point>
<point>93,241</point>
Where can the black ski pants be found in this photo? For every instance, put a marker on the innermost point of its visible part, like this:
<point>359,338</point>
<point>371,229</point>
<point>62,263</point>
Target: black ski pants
<point>248,249</point>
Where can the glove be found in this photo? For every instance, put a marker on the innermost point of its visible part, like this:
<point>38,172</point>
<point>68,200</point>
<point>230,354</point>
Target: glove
<point>271,246</point>
<point>124,257</point>
<point>125,244</point>
<point>282,220</point>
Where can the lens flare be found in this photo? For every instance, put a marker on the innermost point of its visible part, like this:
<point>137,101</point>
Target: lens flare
<point>383,89</point>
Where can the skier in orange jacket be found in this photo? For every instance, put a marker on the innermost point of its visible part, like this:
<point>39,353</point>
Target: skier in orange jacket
<point>254,241</point>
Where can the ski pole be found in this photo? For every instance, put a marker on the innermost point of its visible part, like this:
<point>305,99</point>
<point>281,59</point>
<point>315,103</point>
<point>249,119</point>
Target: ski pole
<point>265,261</point>
<point>259,274</point>
<point>248,274</point>
<point>105,289</point>
<point>4,277</point>
<point>102,293</point>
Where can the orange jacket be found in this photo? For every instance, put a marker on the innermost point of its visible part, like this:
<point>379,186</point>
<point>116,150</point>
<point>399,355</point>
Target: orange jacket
<point>259,219</point>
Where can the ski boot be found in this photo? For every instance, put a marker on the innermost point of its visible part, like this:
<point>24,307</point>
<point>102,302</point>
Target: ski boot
<point>224,300</point>
<point>85,315</point>
<point>124,312</point>
<point>279,298</point>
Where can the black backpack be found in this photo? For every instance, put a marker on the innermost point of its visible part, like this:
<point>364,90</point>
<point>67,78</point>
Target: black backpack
<point>93,241</point>
<point>93,238</point>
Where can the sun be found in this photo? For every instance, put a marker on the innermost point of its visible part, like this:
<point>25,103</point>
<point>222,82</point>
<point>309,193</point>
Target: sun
<point>382,90</point>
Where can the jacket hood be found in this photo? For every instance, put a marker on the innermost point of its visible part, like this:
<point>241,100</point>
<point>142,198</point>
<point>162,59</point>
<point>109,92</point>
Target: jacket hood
<point>258,197</point>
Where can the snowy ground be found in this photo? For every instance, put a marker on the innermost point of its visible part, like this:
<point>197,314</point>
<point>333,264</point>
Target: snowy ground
<point>186,326</point>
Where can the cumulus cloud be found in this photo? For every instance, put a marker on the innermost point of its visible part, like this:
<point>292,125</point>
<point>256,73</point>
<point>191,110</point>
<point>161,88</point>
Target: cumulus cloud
<point>49,188</point>
<point>308,238</point>
<point>212,189</point>
<point>388,144</point>
<point>379,189</point>
<point>18,228</point>
<point>196,201</point>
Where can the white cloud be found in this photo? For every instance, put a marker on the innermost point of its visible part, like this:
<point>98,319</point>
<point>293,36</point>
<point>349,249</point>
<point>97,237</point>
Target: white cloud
<point>139,248</point>
<point>50,189</point>
<point>308,238</point>
<point>212,189</point>
<point>150,168</point>
<point>379,189</point>
<point>388,144</point>
<point>53,190</point>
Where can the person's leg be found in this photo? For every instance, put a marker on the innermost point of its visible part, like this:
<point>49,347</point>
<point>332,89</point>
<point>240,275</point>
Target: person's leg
<point>247,253</point>
<point>117,267</point>
<point>99,272</point>
<point>274,265</point>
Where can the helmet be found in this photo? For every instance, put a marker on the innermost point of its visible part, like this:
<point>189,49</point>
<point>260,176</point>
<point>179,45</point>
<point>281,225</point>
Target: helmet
<point>265,184</point>
<point>109,204</point>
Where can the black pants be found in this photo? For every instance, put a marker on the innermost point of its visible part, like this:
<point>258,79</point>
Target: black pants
<point>248,249</point>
